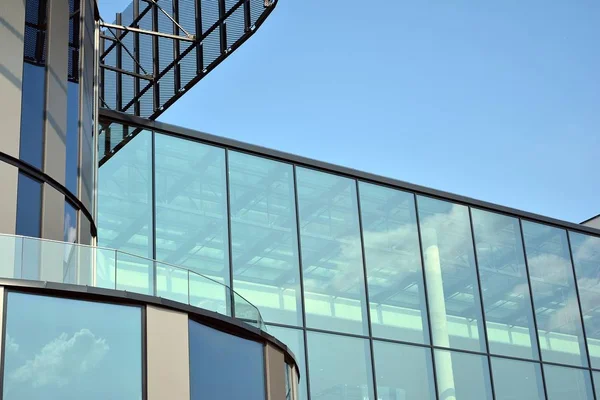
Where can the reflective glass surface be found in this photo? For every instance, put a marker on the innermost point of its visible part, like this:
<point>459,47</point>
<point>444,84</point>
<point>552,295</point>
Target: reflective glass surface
<point>294,339</point>
<point>586,257</point>
<point>32,114</point>
<point>264,237</point>
<point>517,380</point>
<point>505,285</point>
<point>553,286</point>
<point>224,366</point>
<point>340,367</point>
<point>564,383</point>
<point>191,207</point>
<point>29,206</point>
<point>596,377</point>
<point>452,288</point>
<point>70,236</point>
<point>393,262</point>
<point>72,145</point>
<point>71,349</point>
<point>334,285</point>
<point>403,372</point>
<point>462,376</point>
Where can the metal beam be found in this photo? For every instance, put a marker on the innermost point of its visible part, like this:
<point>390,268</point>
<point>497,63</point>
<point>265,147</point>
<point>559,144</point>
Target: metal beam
<point>147,32</point>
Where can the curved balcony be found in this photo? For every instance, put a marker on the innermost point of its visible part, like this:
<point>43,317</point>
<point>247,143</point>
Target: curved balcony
<point>52,261</point>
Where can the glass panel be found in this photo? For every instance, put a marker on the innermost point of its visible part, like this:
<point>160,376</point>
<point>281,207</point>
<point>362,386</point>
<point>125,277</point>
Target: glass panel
<point>560,331</point>
<point>125,198</point>
<point>567,383</point>
<point>393,260</point>
<point>264,236</point>
<point>403,372</point>
<point>32,112</point>
<point>504,284</point>
<point>209,294</point>
<point>70,236</point>
<point>67,349</point>
<point>334,286</point>
<point>172,283</point>
<point>340,367</point>
<point>586,256</point>
<point>29,206</point>
<point>517,380</point>
<point>106,268</point>
<point>134,274</point>
<point>11,248</point>
<point>191,207</point>
<point>224,366</point>
<point>462,376</point>
<point>596,376</point>
<point>72,145</point>
<point>294,339</point>
<point>455,307</point>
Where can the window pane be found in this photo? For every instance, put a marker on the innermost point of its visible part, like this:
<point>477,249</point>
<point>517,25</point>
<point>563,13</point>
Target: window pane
<point>29,206</point>
<point>72,145</point>
<point>191,207</point>
<point>452,288</point>
<point>334,286</point>
<point>32,114</point>
<point>553,286</point>
<point>504,284</point>
<point>224,366</point>
<point>393,259</point>
<point>567,383</point>
<point>596,376</point>
<point>264,236</point>
<point>403,372</point>
<point>586,256</point>
<point>517,380</point>
<point>67,349</point>
<point>462,376</point>
<point>294,339</point>
<point>340,367</point>
<point>71,254</point>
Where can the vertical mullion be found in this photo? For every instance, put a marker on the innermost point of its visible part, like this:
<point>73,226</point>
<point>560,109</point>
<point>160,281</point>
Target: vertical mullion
<point>482,305</point>
<point>155,59</point>
<point>229,243</point>
<point>429,329</point>
<point>136,52</point>
<point>303,309</point>
<point>222,27</point>
<point>247,17</point>
<point>176,67</point>
<point>368,303</point>
<point>537,336</point>
<point>199,55</point>
<point>119,65</point>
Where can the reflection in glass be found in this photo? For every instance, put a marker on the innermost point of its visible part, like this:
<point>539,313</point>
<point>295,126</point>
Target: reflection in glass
<point>191,207</point>
<point>70,252</point>
<point>596,376</point>
<point>560,332</point>
<point>294,339</point>
<point>29,206</point>
<point>393,261</point>
<point>567,383</point>
<point>452,288</point>
<point>586,257</point>
<point>32,114</point>
<point>403,372</point>
<point>264,236</point>
<point>504,284</point>
<point>67,349</point>
<point>72,143</point>
<point>340,367</point>
<point>334,286</point>
<point>224,366</point>
<point>462,376</point>
<point>517,380</point>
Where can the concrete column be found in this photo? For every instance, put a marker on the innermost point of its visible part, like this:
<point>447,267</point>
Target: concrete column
<point>437,313</point>
<point>275,373</point>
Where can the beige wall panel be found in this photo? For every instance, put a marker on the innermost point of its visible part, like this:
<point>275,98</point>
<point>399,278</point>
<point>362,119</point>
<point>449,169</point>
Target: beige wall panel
<point>275,370</point>
<point>8,199</point>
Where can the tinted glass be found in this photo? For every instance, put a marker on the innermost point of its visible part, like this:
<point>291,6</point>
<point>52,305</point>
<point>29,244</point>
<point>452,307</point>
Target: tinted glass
<point>191,207</point>
<point>586,257</point>
<point>334,286</point>
<point>32,114</point>
<point>29,206</point>
<point>264,236</point>
<point>340,367</point>
<point>403,372</point>
<point>567,383</point>
<point>452,288</point>
<point>72,145</point>
<point>560,331</point>
<point>517,380</point>
<point>462,376</point>
<point>294,339</point>
<point>596,376</point>
<point>505,285</point>
<point>71,349</point>
<point>224,366</point>
<point>393,261</point>
<point>71,253</point>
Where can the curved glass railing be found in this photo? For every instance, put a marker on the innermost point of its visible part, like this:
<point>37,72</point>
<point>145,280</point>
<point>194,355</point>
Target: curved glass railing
<point>70,263</point>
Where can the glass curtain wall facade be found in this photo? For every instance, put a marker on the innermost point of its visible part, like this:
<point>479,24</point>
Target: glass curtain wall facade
<point>380,292</point>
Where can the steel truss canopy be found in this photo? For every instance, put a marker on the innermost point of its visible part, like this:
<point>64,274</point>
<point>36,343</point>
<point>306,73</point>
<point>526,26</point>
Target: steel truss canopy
<point>156,50</point>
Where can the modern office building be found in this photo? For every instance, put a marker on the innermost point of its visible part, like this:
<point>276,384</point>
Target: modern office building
<point>145,260</point>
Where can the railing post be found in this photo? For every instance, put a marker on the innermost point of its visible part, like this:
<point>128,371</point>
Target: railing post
<point>188,285</point>
<point>116,267</point>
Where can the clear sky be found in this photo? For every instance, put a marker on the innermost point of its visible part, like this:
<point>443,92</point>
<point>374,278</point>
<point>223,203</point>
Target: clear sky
<point>496,100</point>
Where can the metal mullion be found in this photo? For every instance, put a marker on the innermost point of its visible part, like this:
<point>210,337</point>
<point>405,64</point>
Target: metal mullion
<point>199,51</point>
<point>136,52</point>
<point>586,348</point>
<point>119,65</point>
<point>537,336</point>
<point>301,268</point>
<point>222,27</point>
<point>102,75</point>
<point>155,59</point>
<point>429,329</point>
<point>366,288</point>
<point>482,305</point>
<point>247,16</point>
<point>229,243</point>
<point>177,67</point>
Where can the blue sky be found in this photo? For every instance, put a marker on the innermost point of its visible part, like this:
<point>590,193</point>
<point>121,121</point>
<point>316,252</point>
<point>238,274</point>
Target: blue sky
<point>499,100</point>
